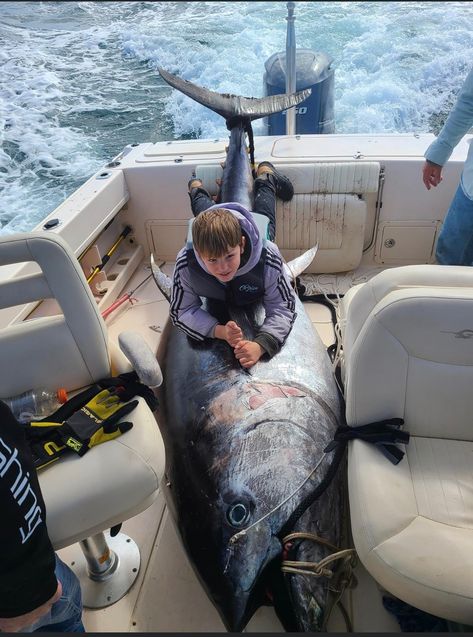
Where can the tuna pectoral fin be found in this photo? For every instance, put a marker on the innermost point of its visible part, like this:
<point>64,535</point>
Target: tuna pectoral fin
<point>300,263</point>
<point>163,282</point>
<point>229,106</point>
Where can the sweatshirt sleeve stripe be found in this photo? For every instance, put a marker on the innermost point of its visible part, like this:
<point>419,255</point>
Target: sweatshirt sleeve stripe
<point>176,301</point>
<point>275,261</point>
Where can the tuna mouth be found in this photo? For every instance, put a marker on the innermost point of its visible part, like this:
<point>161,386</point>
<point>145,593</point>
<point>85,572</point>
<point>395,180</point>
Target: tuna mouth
<point>237,609</point>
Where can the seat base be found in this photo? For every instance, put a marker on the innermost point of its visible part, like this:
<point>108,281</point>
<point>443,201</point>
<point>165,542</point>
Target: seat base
<point>100,590</point>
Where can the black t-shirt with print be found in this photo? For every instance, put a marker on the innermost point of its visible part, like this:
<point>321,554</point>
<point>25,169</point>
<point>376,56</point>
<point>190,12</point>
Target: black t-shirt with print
<point>27,559</point>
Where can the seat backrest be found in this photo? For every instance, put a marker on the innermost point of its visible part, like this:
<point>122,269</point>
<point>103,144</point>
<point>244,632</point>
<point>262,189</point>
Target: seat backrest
<point>361,300</point>
<point>413,359</point>
<point>65,350</point>
<point>333,205</point>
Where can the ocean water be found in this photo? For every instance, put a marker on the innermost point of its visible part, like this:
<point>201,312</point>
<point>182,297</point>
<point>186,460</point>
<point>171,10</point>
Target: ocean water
<point>78,80</point>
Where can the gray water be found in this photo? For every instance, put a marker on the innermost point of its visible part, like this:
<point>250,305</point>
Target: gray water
<point>79,82</point>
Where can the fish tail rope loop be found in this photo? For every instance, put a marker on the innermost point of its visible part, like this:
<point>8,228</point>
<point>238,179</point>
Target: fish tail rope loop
<point>237,536</point>
<point>251,145</point>
<point>341,577</point>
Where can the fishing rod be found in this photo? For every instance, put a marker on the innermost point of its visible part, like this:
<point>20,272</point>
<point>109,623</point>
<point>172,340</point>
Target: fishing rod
<point>122,299</point>
<point>125,232</point>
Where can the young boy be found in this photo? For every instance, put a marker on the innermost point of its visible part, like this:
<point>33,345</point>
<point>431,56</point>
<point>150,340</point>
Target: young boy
<point>229,261</point>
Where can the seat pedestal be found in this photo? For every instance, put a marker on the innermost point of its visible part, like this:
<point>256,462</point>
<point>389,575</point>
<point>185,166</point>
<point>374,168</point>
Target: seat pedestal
<point>106,567</point>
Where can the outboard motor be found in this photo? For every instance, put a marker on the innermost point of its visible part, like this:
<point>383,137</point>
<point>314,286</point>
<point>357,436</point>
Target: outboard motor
<point>313,70</point>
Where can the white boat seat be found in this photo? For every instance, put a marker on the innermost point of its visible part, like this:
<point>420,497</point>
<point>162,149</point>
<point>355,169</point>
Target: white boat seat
<point>411,357</point>
<point>329,207</point>
<point>115,480</point>
<point>361,299</point>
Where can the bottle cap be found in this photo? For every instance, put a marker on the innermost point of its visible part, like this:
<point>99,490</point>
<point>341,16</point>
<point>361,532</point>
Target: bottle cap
<point>62,395</point>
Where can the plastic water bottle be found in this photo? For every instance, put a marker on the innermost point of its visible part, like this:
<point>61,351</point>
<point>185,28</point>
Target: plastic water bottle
<point>36,403</point>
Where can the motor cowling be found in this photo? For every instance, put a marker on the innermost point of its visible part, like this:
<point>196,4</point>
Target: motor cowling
<point>313,70</point>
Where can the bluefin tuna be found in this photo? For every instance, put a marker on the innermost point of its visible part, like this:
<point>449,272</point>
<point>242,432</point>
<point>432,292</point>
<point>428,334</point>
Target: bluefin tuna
<point>245,448</point>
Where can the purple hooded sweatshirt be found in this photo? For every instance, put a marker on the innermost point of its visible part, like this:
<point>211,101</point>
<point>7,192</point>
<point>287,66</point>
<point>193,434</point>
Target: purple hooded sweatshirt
<point>278,297</point>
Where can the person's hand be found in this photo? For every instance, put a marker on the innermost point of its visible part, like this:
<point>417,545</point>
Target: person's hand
<point>19,623</point>
<point>231,332</point>
<point>234,333</point>
<point>248,353</point>
<point>431,174</point>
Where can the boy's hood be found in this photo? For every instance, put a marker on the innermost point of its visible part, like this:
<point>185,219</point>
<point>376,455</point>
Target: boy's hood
<point>252,233</point>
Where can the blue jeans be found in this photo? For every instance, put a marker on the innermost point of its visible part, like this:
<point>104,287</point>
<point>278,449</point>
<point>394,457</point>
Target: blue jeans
<point>455,243</point>
<point>64,616</point>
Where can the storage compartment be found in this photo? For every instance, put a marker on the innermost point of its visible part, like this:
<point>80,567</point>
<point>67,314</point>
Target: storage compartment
<point>406,242</point>
<point>166,237</point>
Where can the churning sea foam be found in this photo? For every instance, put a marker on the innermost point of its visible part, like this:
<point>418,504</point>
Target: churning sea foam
<point>79,79</point>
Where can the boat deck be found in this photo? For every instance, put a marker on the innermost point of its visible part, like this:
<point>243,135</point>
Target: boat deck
<point>167,596</point>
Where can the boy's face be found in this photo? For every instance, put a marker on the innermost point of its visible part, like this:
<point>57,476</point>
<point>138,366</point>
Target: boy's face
<point>225,267</point>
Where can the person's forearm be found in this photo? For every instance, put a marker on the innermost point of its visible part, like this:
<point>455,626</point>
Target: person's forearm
<point>458,123</point>
<point>220,332</point>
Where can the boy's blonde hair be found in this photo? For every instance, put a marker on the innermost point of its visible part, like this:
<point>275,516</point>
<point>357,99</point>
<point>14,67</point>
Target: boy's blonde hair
<point>214,231</point>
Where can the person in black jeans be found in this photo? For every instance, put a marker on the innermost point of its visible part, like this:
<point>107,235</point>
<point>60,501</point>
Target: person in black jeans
<point>268,185</point>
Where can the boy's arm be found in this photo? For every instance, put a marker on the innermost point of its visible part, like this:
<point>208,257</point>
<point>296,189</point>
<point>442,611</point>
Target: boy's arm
<point>185,309</point>
<point>279,305</point>
<point>27,561</point>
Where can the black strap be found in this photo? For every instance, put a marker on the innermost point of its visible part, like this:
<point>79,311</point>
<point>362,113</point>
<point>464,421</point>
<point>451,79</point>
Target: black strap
<point>384,434</point>
<point>245,123</point>
<point>126,386</point>
<point>316,493</point>
<point>251,146</point>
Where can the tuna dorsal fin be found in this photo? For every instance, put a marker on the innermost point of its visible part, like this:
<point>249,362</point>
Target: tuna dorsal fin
<point>300,263</point>
<point>231,106</point>
<point>163,282</point>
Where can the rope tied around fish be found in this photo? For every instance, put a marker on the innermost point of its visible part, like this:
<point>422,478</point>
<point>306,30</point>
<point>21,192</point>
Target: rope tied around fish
<point>341,576</point>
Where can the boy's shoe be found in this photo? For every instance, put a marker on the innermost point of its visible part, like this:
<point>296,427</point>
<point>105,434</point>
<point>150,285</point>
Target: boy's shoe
<point>284,188</point>
<point>197,183</point>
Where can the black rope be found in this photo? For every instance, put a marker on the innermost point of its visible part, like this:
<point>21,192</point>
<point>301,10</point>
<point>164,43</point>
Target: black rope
<point>323,299</point>
<point>312,497</point>
<point>245,123</point>
<point>251,146</point>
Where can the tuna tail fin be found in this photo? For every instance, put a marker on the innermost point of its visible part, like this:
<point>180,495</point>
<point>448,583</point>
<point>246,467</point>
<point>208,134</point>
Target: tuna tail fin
<point>163,282</point>
<point>234,106</point>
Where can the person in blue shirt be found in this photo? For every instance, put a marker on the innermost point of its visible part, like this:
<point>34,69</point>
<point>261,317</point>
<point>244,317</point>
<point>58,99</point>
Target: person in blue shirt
<point>455,243</point>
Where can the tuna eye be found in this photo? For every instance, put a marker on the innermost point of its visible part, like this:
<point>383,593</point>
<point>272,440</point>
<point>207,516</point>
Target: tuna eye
<point>238,514</point>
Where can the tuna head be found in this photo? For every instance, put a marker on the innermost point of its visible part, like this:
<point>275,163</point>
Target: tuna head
<point>262,442</point>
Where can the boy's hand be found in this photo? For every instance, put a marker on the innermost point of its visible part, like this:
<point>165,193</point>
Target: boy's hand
<point>231,332</point>
<point>234,333</point>
<point>248,353</point>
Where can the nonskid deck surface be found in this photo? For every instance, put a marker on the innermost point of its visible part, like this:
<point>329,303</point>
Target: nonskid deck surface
<point>167,596</point>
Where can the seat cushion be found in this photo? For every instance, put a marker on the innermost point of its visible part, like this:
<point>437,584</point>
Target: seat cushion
<point>412,523</point>
<point>111,483</point>
<point>336,222</point>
